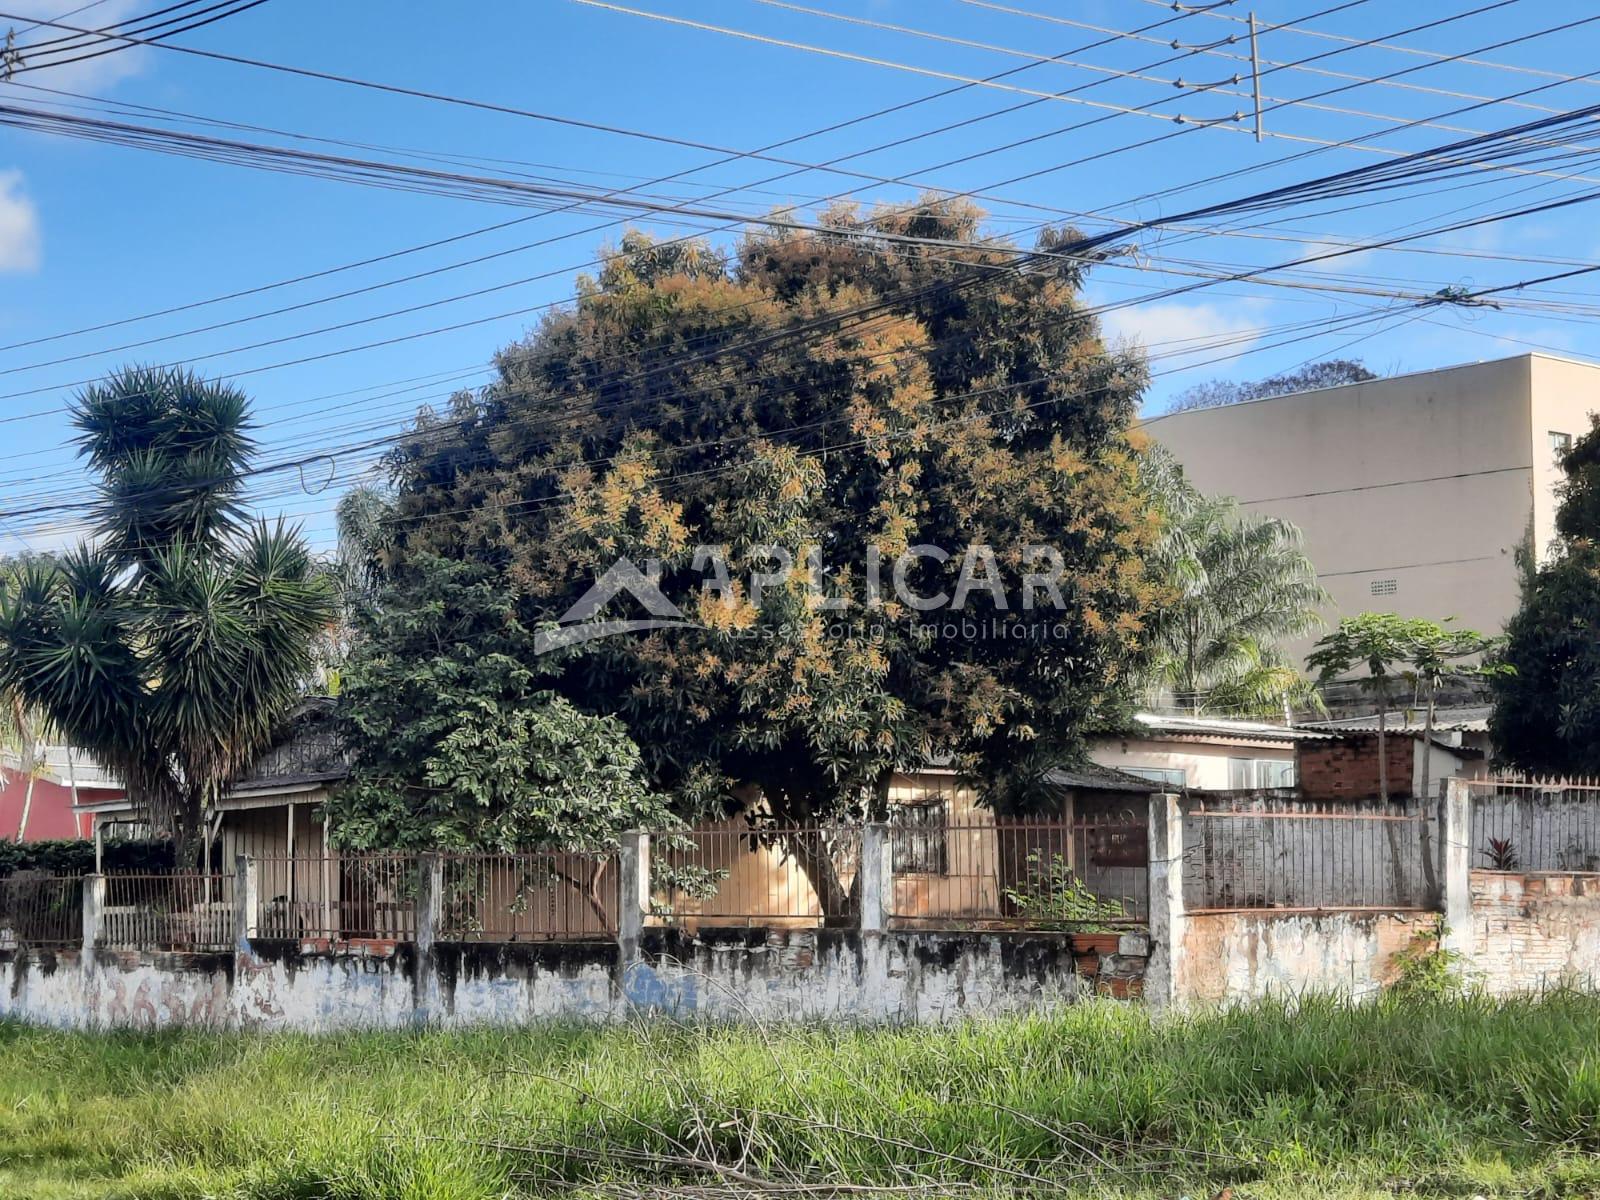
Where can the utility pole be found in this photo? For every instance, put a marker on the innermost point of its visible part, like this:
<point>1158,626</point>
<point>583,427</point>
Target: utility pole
<point>1255,72</point>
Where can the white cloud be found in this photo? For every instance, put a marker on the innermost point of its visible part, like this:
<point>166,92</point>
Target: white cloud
<point>1356,262</point>
<point>20,242</point>
<point>98,72</point>
<point>1176,328</point>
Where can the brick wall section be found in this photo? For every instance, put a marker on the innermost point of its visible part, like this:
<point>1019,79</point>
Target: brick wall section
<point>1347,769</point>
<point>1534,931</point>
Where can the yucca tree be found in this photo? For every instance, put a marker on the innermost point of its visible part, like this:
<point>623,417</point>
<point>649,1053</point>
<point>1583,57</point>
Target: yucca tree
<point>1244,585</point>
<point>172,645</point>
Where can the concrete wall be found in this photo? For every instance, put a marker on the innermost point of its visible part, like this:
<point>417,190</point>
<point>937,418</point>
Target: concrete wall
<point>727,974</point>
<point>1431,480</point>
<point>1534,931</point>
<point>1316,862</point>
<point>1241,956</point>
<point>1564,400</point>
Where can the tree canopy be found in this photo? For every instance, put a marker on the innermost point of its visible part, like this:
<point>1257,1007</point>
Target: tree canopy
<point>172,646</point>
<point>1215,393</point>
<point>1547,709</point>
<point>813,399</point>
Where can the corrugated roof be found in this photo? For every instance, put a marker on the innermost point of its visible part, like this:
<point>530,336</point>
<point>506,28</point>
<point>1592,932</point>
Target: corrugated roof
<point>1463,718</point>
<point>1224,727</point>
<point>1094,777</point>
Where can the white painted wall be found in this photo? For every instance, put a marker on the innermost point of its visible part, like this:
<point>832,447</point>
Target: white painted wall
<point>1205,765</point>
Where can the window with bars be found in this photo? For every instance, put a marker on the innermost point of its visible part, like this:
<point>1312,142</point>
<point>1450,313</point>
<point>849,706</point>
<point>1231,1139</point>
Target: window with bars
<point>920,841</point>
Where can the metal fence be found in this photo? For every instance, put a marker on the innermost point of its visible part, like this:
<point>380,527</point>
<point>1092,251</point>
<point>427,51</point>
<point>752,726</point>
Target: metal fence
<point>1308,855</point>
<point>337,897</point>
<point>977,873</point>
<point>41,910</point>
<point>543,896</point>
<point>762,874</point>
<point>167,911</point>
<point>1521,826</point>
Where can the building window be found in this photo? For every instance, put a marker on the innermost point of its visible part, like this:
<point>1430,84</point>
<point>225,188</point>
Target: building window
<point>1385,587</point>
<point>1173,777</point>
<point>1560,444</point>
<point>1253,774</point>
<point>919,842</point>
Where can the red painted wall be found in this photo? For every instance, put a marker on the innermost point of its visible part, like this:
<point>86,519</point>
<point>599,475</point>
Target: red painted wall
<point>51,815</point>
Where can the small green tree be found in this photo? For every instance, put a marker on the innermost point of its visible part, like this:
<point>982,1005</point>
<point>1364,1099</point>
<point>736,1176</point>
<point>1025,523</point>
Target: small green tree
<point>458,742</point>
<point>1439,654</point>
<point>172,647</point>
<point>1383,643</point>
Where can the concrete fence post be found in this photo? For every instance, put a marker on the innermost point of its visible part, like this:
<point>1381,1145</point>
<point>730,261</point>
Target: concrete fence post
<point>245,904</point>
<point>430,901</point>
<point>94,907</point>
<point>1455,831</point>
<point>1164,977</point>
<point>877,877</point>
<point>426,1000</point>
<point>634,893</point>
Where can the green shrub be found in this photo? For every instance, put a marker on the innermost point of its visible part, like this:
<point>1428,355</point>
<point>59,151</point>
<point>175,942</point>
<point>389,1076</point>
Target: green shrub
<point>1054,897</point>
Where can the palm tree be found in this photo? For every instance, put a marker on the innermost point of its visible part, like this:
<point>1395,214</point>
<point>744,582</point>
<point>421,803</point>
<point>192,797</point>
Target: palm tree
<point>24,729</point>
<point>172,646</point>
<point>1243,585</point>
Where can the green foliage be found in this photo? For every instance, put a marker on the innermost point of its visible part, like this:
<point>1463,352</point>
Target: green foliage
<point>1391,647</point>
<point>460,743</point>
<point>1286,1101</point>
<point>1547,707</point>
<point>75,856</point>
<point>745,400</point>
<point>1424,970</point>
<point>172,646</point>
<point>1215,393</point>
<point>1378,642</point>
<point>1243,584</point>
<point>1055,897</point>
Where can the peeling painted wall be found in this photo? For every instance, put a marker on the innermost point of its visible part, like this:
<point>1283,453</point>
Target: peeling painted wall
<point>1237,956</point>
<point>731,974</point>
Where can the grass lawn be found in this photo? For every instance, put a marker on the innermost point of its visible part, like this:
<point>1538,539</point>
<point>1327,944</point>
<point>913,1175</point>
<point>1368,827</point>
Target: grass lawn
<point>1439,1097</point>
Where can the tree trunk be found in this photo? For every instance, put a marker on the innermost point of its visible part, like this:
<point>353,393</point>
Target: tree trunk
<point>591,893</point>
<point>187,841</point>
<point>1393,834</point>
<point>1429,875</point>
<point>27,807</point>
<point>810,851</point>
<point>1383,749</point>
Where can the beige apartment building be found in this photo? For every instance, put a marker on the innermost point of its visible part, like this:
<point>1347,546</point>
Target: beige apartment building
<point>1413,492</point>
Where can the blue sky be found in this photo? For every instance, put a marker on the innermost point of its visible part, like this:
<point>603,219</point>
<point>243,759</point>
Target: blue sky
<point>92,233</point>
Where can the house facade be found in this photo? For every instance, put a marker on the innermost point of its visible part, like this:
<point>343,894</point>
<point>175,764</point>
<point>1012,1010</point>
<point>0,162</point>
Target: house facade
<point>1214,754</point>
<point>56,799</point>
<point>1414,492</point>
